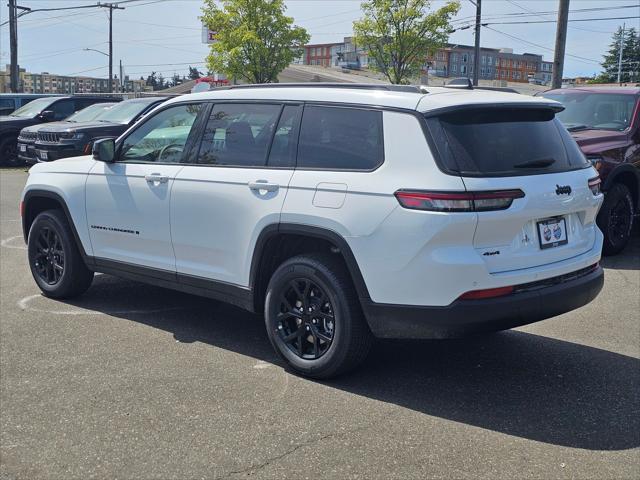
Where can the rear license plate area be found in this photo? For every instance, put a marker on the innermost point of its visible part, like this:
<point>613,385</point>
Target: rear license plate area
<point>552,232</point>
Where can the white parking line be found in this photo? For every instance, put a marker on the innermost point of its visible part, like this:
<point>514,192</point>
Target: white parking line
<point>25,304</point>
<point>7,243</point>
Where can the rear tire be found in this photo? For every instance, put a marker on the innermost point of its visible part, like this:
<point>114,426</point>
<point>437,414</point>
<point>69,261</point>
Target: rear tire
<point>615,218</point>
<point>326,335</point>
<point>54,258</point>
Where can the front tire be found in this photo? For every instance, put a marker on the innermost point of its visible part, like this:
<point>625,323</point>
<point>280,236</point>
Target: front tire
<point>313,316</point>
<point>54,258</point>
<point>9,152</point>
<point>615,219</point>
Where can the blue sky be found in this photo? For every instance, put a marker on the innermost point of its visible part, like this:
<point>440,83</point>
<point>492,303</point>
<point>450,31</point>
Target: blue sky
<point>164,35</point>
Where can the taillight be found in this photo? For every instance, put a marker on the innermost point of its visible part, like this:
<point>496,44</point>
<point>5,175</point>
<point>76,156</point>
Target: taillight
<point>87,148</point>
<point>487,293</point>
<point>594,185</point>
<point>458,201</point>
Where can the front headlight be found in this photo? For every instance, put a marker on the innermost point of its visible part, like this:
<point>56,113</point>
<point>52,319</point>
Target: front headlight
<point>72,136</point>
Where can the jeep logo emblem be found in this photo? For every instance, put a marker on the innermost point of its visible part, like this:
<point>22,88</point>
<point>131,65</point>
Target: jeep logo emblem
<point>563,190</point>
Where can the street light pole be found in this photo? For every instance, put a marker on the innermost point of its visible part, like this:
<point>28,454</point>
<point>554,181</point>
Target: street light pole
<point>620,55</point>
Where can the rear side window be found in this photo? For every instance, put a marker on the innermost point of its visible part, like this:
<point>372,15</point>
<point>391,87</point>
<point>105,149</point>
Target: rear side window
<point>239,134</point>
<point>504,142</point>
<point>338,138</point>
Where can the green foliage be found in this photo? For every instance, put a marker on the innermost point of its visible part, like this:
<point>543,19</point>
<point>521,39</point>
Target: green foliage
<point>194,73</point>
<point>256,40</point>
<point>398,34</point>
<point>630,58</point>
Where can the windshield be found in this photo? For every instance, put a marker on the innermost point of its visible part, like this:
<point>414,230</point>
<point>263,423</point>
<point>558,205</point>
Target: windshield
<point>34,107</point>
<point>124,112</point>
<point>599,111</point>
<point>92,112</point>
<point>504,142</point>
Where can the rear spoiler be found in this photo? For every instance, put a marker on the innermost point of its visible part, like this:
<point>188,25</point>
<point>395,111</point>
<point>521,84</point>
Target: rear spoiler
<point>554,106</point>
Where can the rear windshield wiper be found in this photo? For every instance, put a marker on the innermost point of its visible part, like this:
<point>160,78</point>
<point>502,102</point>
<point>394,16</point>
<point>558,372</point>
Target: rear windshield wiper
<point>542,163</point>
<point>573,128</point>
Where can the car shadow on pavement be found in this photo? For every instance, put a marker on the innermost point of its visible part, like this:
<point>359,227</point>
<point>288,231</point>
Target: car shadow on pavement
<point>629,258</point>
<point>516,383</point>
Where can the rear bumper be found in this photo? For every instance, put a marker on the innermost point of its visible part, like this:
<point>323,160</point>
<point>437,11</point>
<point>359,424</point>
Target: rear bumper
<point>534,302</point>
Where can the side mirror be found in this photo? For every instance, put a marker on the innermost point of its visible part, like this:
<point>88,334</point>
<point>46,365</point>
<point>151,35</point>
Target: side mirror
<point>104,150</point>
<point>47,115</point>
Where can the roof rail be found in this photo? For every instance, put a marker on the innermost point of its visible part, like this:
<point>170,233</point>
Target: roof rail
<point>359,86</point>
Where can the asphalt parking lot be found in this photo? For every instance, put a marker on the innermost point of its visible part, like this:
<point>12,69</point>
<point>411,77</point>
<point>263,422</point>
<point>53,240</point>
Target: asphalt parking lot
<point>133,381</point>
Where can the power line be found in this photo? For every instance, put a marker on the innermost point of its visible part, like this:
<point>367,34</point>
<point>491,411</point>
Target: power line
<point>543,16</point>
<point>538,45</point>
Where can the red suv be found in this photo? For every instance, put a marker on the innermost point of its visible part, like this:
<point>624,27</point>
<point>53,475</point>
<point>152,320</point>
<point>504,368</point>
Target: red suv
<point>605,122</point>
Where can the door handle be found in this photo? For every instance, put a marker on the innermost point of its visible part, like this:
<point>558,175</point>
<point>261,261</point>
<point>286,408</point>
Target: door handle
<point>263,185</point>
<point>156,178</point>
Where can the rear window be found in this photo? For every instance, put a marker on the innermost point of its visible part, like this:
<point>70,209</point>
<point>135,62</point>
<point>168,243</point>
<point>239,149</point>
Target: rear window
<point>504,142</point>
<point>339,138</point>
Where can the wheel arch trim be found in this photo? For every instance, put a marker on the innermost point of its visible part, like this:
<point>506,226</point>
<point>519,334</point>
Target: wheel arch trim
<point>612,179</point>
<point>39,193</point>
<point>338,240</point>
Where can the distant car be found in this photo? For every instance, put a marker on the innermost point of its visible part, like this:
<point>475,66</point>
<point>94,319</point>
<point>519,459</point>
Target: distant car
<point>605,122</point>
<point>62,140</point>
<point>10,102</point>
<point>41,110</point>
<point>27,137</point>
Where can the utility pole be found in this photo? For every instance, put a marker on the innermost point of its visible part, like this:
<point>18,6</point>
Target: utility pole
<point>111,7</point>
<point>122,87</point>
<point>620,55</point>
<point>13,41</point>
<point>476,60</point>
<point>561,42</point>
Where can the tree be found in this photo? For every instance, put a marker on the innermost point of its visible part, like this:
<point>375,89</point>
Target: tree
<point>255,39</point>
<point>630,58</point>
<point>398,34</point>
<point>152,81</point>
<point>161,83</point>
<point>194,73</point>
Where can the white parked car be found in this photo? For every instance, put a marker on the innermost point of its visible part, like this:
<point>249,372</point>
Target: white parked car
<point>343,213</point>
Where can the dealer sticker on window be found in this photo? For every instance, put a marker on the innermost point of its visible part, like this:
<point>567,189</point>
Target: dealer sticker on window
<point>552,232</point>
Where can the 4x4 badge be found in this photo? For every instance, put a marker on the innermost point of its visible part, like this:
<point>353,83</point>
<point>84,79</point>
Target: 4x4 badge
<point>563,190</point>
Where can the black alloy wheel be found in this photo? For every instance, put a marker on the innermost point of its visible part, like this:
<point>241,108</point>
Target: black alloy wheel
<point>615,218</point>
<point>49,257</point>
<point>306,322</point>
<point>55,260</point>
<point>619,223</point>
<point>313,316</point>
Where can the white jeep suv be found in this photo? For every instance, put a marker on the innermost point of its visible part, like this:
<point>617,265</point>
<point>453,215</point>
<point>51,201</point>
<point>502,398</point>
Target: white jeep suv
<point>343,213</point>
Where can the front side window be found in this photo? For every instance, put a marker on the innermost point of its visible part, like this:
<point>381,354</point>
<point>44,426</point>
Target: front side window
<point>239,134</point>
<point>340,139</point>
<point>63,109</point>
<point>162,138</point>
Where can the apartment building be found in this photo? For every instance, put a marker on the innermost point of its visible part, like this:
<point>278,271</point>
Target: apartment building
<point>495,64</point>
<point>46,82</point>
